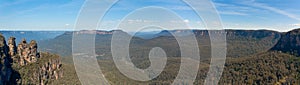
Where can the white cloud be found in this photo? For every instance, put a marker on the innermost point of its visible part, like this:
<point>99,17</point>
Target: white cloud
<point>231,9</point>
<point>17,2</point>
<point>276,10</point>
<point>232,13</point>
<point>181,8</point>
<point>186,21</point>
<point>295,24</point>
<point>67,24</point>
<point>138,21</point>
<point>251,6</point>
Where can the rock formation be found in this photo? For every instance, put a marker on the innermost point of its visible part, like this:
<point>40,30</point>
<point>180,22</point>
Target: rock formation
<point>45,69</point>
<point>5,62</point>
<point>27,52</point>
<point>12,49</point>
<point>12,46</point>
<point>33,51</point>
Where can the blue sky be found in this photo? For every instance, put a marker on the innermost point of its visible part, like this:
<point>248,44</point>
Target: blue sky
<point>280,15</point>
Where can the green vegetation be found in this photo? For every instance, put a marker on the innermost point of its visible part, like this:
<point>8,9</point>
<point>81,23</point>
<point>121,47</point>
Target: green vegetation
<point>239,43</point>
<point>263,68</point>
<point>70,76</point>
<point>249,60</point>
<point>35,73</point>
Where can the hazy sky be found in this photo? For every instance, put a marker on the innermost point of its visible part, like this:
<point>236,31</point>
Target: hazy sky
<point>280,15</point>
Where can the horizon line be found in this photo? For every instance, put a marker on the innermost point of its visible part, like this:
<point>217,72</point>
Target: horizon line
<point>146,31</point>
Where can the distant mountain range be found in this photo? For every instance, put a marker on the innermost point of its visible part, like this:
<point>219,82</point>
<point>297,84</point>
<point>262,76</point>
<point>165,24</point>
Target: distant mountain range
<point>32,35</point>
<point>239,42</point>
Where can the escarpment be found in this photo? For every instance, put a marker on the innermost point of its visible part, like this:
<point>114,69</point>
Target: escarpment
<point>289,42</point>
<point>23,64</point>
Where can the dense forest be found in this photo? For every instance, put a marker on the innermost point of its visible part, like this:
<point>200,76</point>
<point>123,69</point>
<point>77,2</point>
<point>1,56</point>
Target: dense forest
<point>250,60</point>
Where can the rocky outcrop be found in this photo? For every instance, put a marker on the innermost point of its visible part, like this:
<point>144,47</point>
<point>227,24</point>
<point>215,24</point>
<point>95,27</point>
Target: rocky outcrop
<point>5,62</point>
<point>12,46</point>
<point>13,49</point>
<point>27,52</point>
<point>33,51</point>
<point>22,64</point>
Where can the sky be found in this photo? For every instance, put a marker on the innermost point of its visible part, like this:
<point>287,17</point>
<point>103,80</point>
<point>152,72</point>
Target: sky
<point>279,15</point>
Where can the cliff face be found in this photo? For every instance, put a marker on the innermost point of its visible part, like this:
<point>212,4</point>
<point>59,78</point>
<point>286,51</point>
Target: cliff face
<point>5,62</point>
<point>23,64</point>
<point>289,42</point>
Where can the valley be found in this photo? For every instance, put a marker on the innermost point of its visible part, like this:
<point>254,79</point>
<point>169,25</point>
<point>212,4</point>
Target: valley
<point>251,58</point>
